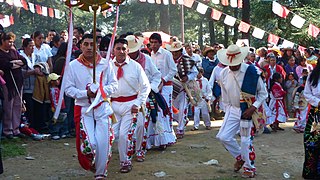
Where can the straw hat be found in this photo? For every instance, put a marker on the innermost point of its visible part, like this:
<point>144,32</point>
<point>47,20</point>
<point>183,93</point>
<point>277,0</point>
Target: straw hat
<point>174,46</point>
<point>207,49</point>
<point>233,55</point>
<point>134,43</point>
<point>53,77</point>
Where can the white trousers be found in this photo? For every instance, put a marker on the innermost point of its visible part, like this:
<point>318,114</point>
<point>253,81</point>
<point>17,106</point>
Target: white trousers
<point>227,132</point>
<point>96,131</point>
<point>203,107</point>
<point>125,129</point>
<point>182,104</point>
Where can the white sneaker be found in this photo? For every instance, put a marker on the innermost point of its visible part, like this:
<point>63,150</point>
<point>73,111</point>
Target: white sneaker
<point>63,136</point>
<point>55,137</point>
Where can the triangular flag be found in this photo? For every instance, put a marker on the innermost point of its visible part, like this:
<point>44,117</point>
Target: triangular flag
<point>215,14</point>
<point>279,10</point>
<point>216,1</point>
<point>38,9</point>
<point>202,8</point>
<point>313,30</point>
<point>143,0</point>
<point>1,0</point>
<point>244,27</point>
<point>297,21</point>
<point>31,7</point>
<point>301,48</point>
<point>258,33</point>
<point>57,13</point>
<point>5,22</point>
<point>234,3</point>
<point>225,2</point>
<point>287,44</point>
<point>165,2</point>
<point>151,1</point>
<point>239,3</point>
<point>273,39</point>
<point>44,11</point>
<point>10,2</point>
<point>17,3</point>
<point>188,3</point>
<point>11,19</point>
<point>173,1</point>
<point>158,1</point>
<point>229,20</point>
<point>25,5</point>
<point>51,13</point>
<point>180,2</point>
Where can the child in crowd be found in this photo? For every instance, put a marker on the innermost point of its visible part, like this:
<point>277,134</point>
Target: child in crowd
<point>290,85</point>
<point>204,104</point>
<point>28,131</point>
<point>58,127</point>
<point>303,74</point>
<point>276,104</point>
<point>301,108</point>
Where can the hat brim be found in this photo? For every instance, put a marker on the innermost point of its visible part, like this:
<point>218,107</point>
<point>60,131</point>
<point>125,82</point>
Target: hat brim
<point>137,47</point>
<point>205,52</point>
<point>221,54</point>
<point>169,48</point>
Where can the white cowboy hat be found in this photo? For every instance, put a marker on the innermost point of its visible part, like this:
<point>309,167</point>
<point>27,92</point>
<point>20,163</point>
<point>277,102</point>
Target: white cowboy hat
<point>134,43</point>
<point>233,55</point>
<point>174,46</point>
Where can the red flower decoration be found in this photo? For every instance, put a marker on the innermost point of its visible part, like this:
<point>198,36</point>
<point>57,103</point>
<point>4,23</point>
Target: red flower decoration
<point>252,156</point>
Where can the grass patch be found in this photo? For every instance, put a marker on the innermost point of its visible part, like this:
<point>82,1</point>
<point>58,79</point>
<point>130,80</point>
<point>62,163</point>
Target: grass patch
<point>12,148</point>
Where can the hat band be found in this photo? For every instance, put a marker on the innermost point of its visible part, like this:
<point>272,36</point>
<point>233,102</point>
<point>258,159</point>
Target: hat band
<point>231,56</point>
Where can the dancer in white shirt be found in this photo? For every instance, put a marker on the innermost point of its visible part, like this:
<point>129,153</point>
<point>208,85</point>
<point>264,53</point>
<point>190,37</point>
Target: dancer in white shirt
<point>134,88</point>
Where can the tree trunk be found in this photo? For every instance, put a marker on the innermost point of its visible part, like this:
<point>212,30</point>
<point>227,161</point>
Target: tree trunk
<point>212,32</point>
<point>152,24</point>
<point>246,16</point>
<point>164,19</point>
<point>200,40</point>
<point>235,28</point>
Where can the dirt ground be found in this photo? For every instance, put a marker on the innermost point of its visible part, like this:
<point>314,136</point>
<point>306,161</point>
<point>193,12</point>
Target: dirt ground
<point>277,153</point>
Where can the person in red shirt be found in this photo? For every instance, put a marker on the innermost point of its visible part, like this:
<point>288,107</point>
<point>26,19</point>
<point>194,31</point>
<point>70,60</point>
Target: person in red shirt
<point>273,68</point>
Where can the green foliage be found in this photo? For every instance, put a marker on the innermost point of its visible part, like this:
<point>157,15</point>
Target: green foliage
<point>12,148</point>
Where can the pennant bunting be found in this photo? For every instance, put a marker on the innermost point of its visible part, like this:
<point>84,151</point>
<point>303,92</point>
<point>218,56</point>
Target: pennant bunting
<point>258,33</point>
<point>287,44</point>
<point>225,2</point>
<point>17,3</point>
<point>301,49</point>
<point>51,12</point>
<point>5,22</point>
<point>25,5</point>
<point>244,27</point>
<point>202,8</point>
<point>1,0</point>
<point>31,7</point>
<point>180,2</point>
<point>313,30</point>
<point>273,39</point>
<point>173,1</point>
<point>44,11</point>
<point>151,1</point>
<point>297,21</point>
<point>216,1</point>
<point>11,19</point>
<point>158,1</point>
<point>280,10</point>
<point>234,3</point>
<point>188,3</point>
<point>165,2</point>
<point>143,0</point>
<point>215,14</point>
<point>57,13</point>
<point>10,2</point>
<point>229,20</point>
<point>240,4</point>
<point>38,9</point>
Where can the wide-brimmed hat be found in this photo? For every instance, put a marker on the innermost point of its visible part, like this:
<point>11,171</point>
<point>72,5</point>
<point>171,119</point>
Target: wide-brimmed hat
<point>276,49</point>
<point>174,46</point>
<point>52,77</point>
<point>134,43</point>
<point>233,55</point>
<point>25,36</point>
<point>207,49</point>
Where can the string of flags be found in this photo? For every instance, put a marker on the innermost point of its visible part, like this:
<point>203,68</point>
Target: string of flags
<point>233,3</point>
<point>243,26</point>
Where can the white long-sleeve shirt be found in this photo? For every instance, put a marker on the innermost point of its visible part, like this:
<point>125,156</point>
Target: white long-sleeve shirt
<point>134,81</point>
<point>230,91</point>
<point>312,94</point>
<point>78,76</point>
<point>205,88</point>
<point>215,75</point>
<point>164,61</point>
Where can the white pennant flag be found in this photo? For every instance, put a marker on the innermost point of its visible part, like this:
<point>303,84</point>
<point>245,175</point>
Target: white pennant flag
<point>234,3</point>
<point>258,33</point>
<point>57,13</point>
<point>44,11</point>
<point>180,2</point>
<point>287,44</point>
<point>229,20</point>
<point>17,3</point>
<point>151,1</point>
<point>31,7</point>
<point>143,0</point>
<point>297,21</point>
<point>202,8</point>
<point>165,2</point>
<point>215,1</point>
<point>5,22</point>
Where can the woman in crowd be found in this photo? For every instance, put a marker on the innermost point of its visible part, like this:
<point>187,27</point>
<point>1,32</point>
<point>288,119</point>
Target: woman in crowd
<point>303,65</point>
<point>311,59</point>
<point>11,64</point>
<point>41,49</point>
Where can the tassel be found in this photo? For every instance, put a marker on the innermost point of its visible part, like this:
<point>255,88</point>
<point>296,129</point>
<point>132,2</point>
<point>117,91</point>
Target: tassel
<point>175,110</point>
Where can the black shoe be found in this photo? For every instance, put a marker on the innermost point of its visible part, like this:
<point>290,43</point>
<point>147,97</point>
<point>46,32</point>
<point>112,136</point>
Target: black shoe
<point>20,135</point>
<point>162,147</point>
<point>266,130</point>
<point>9,136</point>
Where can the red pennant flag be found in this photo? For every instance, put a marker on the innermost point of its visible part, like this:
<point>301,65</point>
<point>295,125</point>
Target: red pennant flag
<point>280,10</point>
<point>313,30</point>
<point>273,39</point>
<point>188,3</point>
<point>239,3</point>
<point>11,20</point>
<point>244,27</point>
<point>173,1</point>
<point>25,5</point>
<point>38,9</point>
<point>225,2</point>
<point>215,14</point>
<point>51,12</point>
<point>301,49</point>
